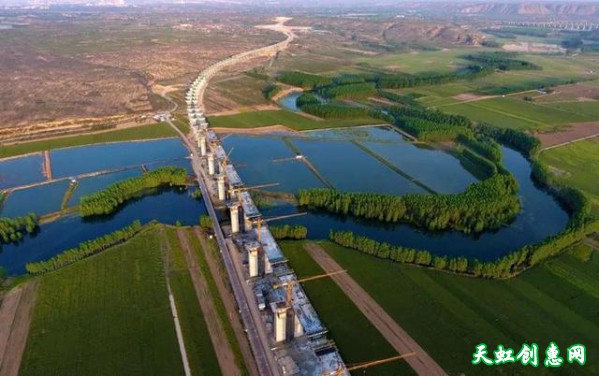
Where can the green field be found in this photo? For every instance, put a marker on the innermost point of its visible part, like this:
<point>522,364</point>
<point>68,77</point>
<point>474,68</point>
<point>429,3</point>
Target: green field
<point>357,339</point>
<point>106,315</point>
<point>146,132</point>
<point>242,89</point>
<point>200,352</point>
<point>218,303</point>
<point>282,117</point>
<point>584,108</point>
<point>449,315</point>
<point>515,113</point>
<point>446,60</point>
<point>578,165</point>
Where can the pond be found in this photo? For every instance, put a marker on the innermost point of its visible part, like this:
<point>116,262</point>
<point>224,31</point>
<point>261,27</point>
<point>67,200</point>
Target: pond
<point>15,172</point>
<point>289,101</point>
<point>167,206</point>
<point>42,199</point>
<point>85,159</point>
<point>541,216</point>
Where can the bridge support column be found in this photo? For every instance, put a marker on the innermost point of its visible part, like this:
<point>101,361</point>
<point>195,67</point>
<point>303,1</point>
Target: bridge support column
<point>202,144</point>
<point>221,188</point>
<point>210,164</point>
<point>281,322</point>
<point>253,261</point>
<point>234,208</point>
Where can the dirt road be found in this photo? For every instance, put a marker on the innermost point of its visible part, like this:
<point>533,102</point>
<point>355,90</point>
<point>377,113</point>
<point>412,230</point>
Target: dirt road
<point>401,341</point>
<point>227,297</point>
<point>224,353</point>
<point>15,320</point>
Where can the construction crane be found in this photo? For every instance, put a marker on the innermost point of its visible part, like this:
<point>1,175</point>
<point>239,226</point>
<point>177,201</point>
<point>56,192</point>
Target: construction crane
<point>225,160</point>
<point>260,221</point>
<point>241,189</point>
<point>289,284</point>
<point>365,365</point>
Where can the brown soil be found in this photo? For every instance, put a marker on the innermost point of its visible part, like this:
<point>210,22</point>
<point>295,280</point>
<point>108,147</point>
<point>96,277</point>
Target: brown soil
<point>259,130</point>
<point>401,341</point>
<point>225,291</point>
<point>15,320</point>
<point>469,97</point>
<point>570,93</point>
<point>573,133</point>
<point>224,353</point>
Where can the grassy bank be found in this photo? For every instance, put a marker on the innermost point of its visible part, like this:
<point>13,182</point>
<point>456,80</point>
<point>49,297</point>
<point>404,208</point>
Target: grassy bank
<point>146,132</point>
<point>358,340</point>
<point>449,315</point>
<point>283,117</point>
<point>106,315</point>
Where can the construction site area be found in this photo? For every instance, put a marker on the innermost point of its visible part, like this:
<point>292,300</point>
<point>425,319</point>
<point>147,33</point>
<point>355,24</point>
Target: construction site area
<point>285,321</point>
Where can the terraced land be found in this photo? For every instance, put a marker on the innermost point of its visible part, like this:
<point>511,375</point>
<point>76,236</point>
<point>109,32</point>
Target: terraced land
<point>557,301</point>
<point>110,315</point>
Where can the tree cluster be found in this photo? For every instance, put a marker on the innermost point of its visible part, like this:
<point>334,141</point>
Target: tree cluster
<point>484,205</point>
<point>206,223</point>
<point>271,90</point>
<point>523,142</point>
<point>84,250</point>
<point>500,60</point>
<point>295,232</point>
<point>349,91</point>
<point>108,200</point>
<point>13,229</point>
<point>305,99</point>
<point>429,125</point>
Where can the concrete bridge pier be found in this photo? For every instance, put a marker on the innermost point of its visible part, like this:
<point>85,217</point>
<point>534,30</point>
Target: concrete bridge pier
<point>234,209</point>
<point>210,164</point>
<point>202,144</point>
<point>222,192</point>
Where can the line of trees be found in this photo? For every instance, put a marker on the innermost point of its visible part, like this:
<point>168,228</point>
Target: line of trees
<point>338,111</point>
<point>429,125</point>
<point>508,266</point>
<point>484,205</point>
<point>486,166</point>
<point>483,145</point>
<point>13,229</point>
<point>523,142</point>
<point>84,250</point>
<point>304,80</point>
<point>406,100</point>
<point>349,91</point>
<point>426,130</point>
<point>296,232</point>
<point>435,116</point>
<point>108,200</point>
